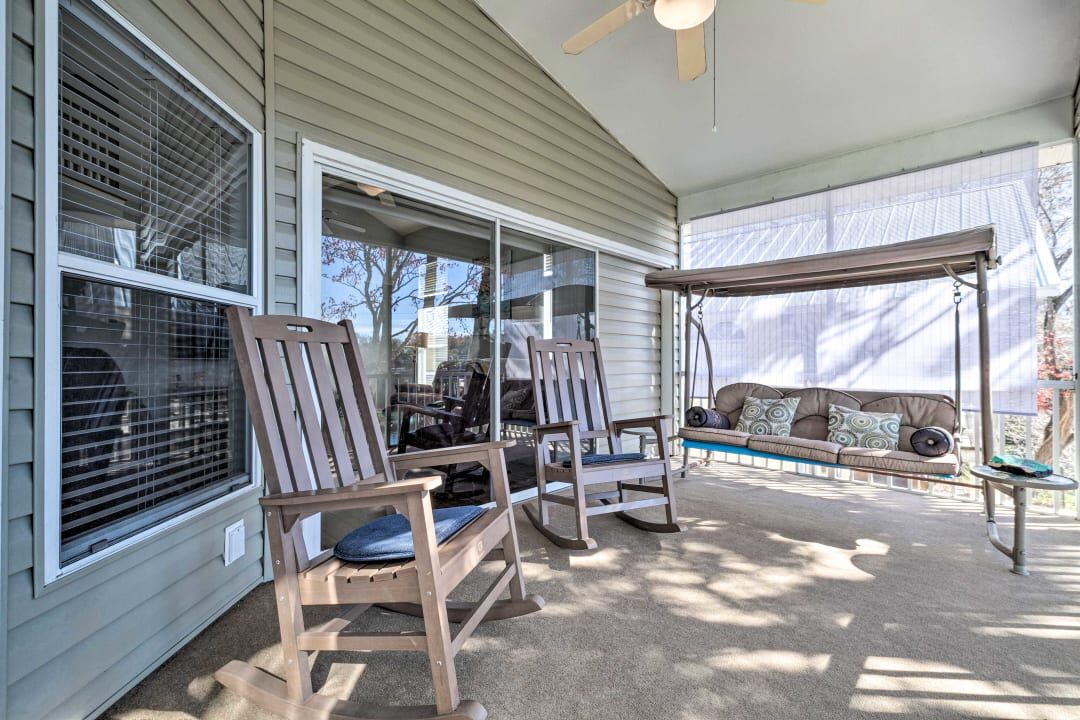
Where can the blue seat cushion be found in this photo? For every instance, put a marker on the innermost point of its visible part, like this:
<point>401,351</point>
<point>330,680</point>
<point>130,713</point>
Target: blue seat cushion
<point>390,537</point>
<point>599,459</point>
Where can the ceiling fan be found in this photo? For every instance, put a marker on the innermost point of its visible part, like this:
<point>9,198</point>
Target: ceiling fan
<point>686,17</point>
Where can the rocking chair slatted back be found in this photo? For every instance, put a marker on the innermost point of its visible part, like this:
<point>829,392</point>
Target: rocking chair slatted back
<point>312,409</point>
<point>569,385</point>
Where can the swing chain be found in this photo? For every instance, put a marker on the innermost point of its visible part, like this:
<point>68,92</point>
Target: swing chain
<point>957,299</point>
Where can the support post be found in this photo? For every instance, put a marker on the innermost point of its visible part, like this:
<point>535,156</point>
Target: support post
<point>1076,315</point>
<point>986,411</point>
<point>684,401</point>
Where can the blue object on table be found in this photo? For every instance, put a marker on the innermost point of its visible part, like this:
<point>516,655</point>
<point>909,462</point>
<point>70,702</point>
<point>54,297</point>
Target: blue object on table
<point>1020,466</point>
<point>390,537</point>
<point>600,459</point>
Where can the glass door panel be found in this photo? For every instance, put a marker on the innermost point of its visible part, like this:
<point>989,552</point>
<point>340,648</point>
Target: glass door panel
<point>415,280</point>
<point>548,291</point>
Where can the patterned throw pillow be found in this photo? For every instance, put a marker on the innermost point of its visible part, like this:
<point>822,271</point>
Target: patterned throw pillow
<point>854,428</point>
<point>767,417</point>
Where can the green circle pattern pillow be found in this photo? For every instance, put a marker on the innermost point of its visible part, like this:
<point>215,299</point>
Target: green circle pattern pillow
<point>854,428</point>
<point>767,417</point>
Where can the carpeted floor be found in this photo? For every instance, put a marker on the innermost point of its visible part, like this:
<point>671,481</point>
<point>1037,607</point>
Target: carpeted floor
<point>788,597</point>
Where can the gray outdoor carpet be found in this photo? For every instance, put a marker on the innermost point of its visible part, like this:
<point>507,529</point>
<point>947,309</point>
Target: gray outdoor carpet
<point>788,597</point>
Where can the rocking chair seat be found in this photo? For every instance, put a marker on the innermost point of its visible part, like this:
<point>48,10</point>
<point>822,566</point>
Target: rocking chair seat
<point>598,459</point>
<point>389,538</point>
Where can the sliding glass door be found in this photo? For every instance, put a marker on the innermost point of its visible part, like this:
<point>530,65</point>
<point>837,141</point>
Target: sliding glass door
<point>415,279</point>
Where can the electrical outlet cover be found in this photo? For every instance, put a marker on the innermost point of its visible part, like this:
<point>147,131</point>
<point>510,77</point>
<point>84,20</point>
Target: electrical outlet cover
<point>234,542</point>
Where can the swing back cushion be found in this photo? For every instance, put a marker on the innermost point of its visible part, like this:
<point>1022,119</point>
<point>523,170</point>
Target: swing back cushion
<point>855,428</point>
<point>809,434</point>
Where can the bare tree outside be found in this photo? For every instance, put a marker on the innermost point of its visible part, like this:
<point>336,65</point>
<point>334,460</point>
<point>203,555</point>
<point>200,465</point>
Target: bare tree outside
<point>1055,340</point>
<point>384,283</point>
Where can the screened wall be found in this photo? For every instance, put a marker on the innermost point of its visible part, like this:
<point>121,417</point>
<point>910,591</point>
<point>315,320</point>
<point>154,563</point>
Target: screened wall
<point>896,337</point>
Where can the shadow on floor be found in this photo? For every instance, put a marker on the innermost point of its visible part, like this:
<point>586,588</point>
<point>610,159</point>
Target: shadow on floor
<point>788,597</point>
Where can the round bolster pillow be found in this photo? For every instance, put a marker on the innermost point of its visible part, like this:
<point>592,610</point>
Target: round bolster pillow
<point>932,441</point>
<point>699,417</point>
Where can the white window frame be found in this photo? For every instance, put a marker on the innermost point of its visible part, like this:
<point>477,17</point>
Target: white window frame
<point>54,263</point>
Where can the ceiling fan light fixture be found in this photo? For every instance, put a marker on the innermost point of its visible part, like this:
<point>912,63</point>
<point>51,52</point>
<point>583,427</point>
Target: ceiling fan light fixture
<point>682,14</point>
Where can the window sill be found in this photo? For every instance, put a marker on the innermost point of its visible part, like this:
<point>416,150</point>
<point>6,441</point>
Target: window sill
<point>124,550</point>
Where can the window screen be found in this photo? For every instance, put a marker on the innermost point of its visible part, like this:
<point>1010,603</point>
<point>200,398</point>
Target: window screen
<point>153,418</point>
<point>152,175</point>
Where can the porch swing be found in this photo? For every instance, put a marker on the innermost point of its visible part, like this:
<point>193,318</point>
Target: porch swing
<point>952,255</point>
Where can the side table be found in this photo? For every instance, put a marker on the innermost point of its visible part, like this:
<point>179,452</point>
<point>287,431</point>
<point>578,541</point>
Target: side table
<point>1016,487</point>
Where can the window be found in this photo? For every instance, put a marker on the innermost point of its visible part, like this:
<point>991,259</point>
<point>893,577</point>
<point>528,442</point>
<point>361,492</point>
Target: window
<point>155,222</point>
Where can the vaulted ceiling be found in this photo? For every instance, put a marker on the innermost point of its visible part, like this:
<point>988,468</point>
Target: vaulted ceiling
<point>799,82</point>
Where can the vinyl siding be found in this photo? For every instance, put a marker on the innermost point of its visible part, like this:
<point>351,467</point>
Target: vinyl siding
<point>433,88</point>
<point>630,327</point>
<point>436,89</point>
<point>85,639</point>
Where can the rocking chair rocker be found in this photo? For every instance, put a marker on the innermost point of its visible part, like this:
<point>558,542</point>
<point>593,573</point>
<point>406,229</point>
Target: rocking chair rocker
<point>325,455</point>
<point>572,407</point>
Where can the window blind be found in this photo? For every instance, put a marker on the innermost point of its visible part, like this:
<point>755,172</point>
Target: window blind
<point>152,420</point>
<point>142,151</point>
<point>153,177</point>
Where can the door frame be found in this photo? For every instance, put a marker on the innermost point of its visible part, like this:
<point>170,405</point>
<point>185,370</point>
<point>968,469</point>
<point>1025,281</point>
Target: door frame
<point>318,159</point>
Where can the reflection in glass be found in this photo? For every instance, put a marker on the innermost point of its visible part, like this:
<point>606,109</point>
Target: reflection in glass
<point>153,420</point>
<point>415,280</point>
<point>548,291</point>
<point>152,176</point>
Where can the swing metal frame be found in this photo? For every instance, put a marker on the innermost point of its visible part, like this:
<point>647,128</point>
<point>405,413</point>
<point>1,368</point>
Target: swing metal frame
<point>952,255</point>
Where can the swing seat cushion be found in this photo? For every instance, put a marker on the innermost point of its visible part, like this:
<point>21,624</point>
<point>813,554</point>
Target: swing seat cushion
<point>389,538</point>
<point>899,461</point>
<point>715,435</point>
<point>803,448</point>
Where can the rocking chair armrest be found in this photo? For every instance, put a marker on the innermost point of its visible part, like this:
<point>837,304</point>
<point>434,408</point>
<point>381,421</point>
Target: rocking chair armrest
<point>448,456</point>
<point>430,412</point>
<point>374,494</point>
<point>652,421</point>
<point>562,431</point>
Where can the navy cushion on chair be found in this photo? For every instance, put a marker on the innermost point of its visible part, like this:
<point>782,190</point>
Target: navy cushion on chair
<point>390,537</point>
<point>597,459</point>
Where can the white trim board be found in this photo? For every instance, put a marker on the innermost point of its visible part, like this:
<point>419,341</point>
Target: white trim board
<point>47,570</point>
<point>1039,124</point>
<point>353,166</point>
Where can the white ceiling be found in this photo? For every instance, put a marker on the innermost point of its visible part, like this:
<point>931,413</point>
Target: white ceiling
<point>800,82</point>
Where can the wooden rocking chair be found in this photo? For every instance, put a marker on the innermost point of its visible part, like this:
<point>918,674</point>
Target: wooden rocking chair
<point>572,407</point>
<point>322,451</point>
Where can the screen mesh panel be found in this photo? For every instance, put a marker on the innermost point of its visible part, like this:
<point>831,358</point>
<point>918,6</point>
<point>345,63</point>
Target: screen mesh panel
<point>152,175</point>
<point>153,419</point>
<point>888,337</point>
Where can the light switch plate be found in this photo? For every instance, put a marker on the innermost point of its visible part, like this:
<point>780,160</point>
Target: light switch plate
<point>235,540</point>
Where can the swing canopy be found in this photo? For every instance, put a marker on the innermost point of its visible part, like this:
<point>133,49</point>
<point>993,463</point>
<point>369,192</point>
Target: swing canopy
<point>953,254</point>
<point>942,256</point>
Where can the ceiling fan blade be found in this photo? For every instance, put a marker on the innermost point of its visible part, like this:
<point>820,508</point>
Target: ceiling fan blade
<point>603,27</point>
<point>690,52</point>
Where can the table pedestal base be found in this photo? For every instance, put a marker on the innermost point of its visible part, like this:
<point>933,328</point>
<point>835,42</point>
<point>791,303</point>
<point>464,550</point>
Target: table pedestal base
<point>1018,552</point>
